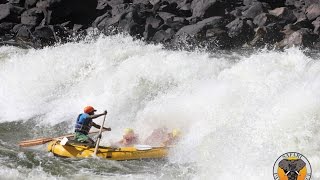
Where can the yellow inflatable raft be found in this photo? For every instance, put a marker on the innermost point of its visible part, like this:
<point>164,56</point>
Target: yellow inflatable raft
<point>122,153</point>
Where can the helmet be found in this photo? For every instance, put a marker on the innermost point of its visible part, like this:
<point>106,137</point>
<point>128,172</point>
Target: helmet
<point>128,131</point>
<point>176,132</point>
<point>89,109</point>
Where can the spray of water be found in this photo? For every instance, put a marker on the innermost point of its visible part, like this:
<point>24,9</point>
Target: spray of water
<point>237,113</point>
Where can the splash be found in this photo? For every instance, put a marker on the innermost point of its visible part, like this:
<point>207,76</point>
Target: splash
<point>238,113</point>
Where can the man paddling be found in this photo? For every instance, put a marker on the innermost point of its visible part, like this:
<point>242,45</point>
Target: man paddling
<point>84,124</point>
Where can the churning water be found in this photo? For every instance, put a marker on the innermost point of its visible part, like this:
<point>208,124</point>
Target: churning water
<point>238,113</point>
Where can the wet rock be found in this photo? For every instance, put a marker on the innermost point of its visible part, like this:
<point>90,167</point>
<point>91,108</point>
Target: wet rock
<point>10,13</point>
<point>5,28</point>
<point>274,3</point>
<point>3,1</point>
<point>166,16</point>
<point>267,36</point>
<point>102,7</point>
<point>303,22</point>
<point>284,13</point>
<point>25,32</point>
<point>264,19</point>
<point>316,24</point>
<point>30,3</point>
<point>155,22</point>
<point>17,2</point>
<point>148,32</point>
<point>236,13</point>
<point>60,11</point>
<point>303,37</point>
<point>240,31</point>
<point>313,11</point>
<point>254,10</point>
<point>32,16</point>
<point>207,8</point>
<point>118,9</point>
<point>163,35</point>
<point>199,29</point>
<point>45,34</point>
<point>185,10</point>
<point>107,22</point>
<point>218,38</point>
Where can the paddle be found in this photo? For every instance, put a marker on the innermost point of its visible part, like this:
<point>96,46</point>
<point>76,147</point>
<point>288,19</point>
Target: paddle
<point>35,142</point>
<point>99,136</point>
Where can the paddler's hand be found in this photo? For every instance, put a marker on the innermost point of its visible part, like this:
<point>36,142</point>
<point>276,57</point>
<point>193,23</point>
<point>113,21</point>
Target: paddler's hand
<point>107,129</point>
<point>105,112</point>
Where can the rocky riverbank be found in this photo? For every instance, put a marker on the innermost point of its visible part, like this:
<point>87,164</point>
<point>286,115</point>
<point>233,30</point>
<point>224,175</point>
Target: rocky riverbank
<point>216,24</point>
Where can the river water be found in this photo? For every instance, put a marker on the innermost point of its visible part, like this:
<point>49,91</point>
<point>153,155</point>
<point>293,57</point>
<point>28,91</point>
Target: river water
<point>238,112</point>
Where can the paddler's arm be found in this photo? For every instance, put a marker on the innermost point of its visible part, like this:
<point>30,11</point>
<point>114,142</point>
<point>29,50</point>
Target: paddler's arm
<point>98,126</point>
<point>98,115</point>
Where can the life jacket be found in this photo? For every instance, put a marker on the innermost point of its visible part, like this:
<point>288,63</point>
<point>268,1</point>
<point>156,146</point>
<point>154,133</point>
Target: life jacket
<point>83,124</point>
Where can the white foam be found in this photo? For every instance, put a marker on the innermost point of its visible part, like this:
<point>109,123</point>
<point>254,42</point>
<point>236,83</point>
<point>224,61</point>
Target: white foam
<point>237,117</point>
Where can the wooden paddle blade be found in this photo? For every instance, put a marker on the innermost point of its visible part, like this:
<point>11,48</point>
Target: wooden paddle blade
<point>35,143</point>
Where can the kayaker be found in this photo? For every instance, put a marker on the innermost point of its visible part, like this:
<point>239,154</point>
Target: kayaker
<point>172,138</point>
<point>84,124</point>
<point>129,138</point>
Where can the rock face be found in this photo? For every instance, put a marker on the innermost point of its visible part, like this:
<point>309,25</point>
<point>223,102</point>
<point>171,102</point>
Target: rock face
<point>216,24</point>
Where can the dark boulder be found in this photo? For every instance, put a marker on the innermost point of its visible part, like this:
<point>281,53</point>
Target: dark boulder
<point>19,3</point>
<point>283,13</point>
<point>32,16</point>
<point>170,8</point>
<point>3,1</point>
<point>163,36</point>
<point>254,10</point>
<point>166,16</point>
<point>302,38</point>
<point>145,2</point>
<point>45,35</point>
<point>274,3</point>
<point>199,29</point>
<point>236,12</point>
<point>24,32</point>
<point>176,23</point>
<point>267,35</point>
<point>207,8</point>
<point>309,2</point>
<point>185,10</point>
<point>118,9</point>
<point>264,19</point>
<point>102,7</point>
<point>107,23</point>
<point>10,13</point>
<point>302,22</point>
<point>155,22</point>
<point>77,11</point>
<point>316,24</point>
<point>117,2</point>
<point>101,18</point>
<point>148,32</point>
<point>30,3</point>
<point>5,28</point>
<point>313,11</point>
<point>240,31</point>
<point>217,38</point>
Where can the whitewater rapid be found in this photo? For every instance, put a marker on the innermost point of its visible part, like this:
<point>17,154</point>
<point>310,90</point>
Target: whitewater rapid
<point>238,113</point>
